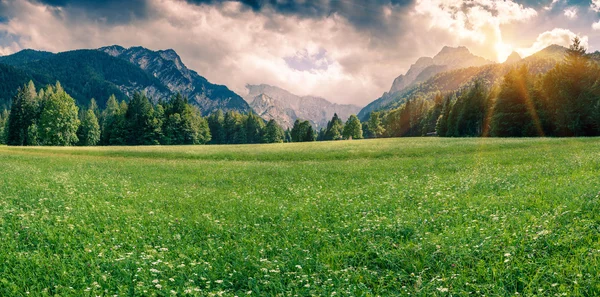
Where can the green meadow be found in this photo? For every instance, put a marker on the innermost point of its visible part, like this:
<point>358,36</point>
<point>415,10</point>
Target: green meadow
<point>385,217</point>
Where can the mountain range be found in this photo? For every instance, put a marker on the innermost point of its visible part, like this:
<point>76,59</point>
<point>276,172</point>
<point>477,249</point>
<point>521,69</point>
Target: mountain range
<point>98,73</point>
<point>87,74</point>
<point>453,68</point>
<point>271,102</point>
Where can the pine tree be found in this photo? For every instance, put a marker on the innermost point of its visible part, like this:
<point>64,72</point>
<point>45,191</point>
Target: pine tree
<point>273,132</point>
<point>254,128</point>
<point>3,126</point>
<point>375,125</point>
<point>24,113</point>
<point>441,126</point>
<point>143,127</point>
<point>513,112</point>
<point>89,129</point>
<point>217,129</point>
<point>58,121</point>
<point>353,128</point>
<point>335,128</point>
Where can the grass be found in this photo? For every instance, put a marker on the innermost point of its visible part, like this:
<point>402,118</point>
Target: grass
<point>425,217</point>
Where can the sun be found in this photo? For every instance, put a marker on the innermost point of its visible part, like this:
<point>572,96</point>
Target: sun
<point>503,50</point>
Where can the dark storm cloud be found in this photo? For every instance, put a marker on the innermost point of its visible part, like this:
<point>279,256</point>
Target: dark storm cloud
<point>362,14</point>
<point>111,11</point>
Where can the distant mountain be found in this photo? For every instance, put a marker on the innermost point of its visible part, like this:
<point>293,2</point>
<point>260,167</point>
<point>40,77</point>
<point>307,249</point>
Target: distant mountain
<point>84,74</point>
<point>453,80</point>
<point>271,102</point>
<point>87,74</point>
<point>25,56</point>
<point>167,67</point>
<point>448,58</point>
<point>513,58</point>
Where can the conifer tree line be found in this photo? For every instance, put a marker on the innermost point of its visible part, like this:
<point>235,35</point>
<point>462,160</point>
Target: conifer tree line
<point>50,117</point>
<point>564,102</point>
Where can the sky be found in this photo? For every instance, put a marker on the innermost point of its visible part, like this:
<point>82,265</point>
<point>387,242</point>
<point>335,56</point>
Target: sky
<point>347,51</point>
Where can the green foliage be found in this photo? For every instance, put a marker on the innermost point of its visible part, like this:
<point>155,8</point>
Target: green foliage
<point>302,131</point>
<point>386,217</point>
<point>254,128</point>
<point>143,127</point>
<point>513,113</point>
<point>273,133</point>
<point>183,123</point>
<point>468,114</point>
<point>3,126</point>
<point>562,102</point>
<point>58,121</point>
<point>375,125</point>
<point>234,127</point>
<point>113,123</point>
<point>335,127</point>
<point>216,124</point>
<point>89,129</point>
<point>24,113</point>
<point>353,128</point>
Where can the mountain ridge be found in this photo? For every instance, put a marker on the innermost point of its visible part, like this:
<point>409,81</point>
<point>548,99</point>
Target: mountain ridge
<point>167,66</point>
<point>286,107</point>
<point>453,79</point>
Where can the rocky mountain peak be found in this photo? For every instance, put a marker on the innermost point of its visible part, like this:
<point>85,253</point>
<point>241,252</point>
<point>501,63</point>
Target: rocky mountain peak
<point>272,102</point>
<point>167,66</point>
<point>513,58</point>
<point>113,50</point>
<point>459,50</point>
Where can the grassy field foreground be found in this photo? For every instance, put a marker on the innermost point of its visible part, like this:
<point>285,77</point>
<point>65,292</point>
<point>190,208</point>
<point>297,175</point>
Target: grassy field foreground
<point>426,217</point>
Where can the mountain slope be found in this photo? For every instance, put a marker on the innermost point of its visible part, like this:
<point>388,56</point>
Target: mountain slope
<point>452,80</point>
<point>84,74</point>
<point>167,67</point>
<point>271,102</point>
<point>447,59</point>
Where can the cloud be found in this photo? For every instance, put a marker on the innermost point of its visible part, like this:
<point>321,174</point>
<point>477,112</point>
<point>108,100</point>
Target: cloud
<point>109,11</point>
<point>595,6</point>
<point>348,51</point>
<point>596,25</point>
<point>563,37</point>
<point>571,13</point>
<point>477,21</point>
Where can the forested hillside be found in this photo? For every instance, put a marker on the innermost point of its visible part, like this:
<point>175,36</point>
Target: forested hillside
<point>531,98</point>
<point>87,74</point>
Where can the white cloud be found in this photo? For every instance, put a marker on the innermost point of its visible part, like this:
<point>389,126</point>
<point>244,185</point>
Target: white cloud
<point>596,25</point>
<point>563,37</point>
<point>478,21</point>
<point>595,6</point>
<point>571,13</point>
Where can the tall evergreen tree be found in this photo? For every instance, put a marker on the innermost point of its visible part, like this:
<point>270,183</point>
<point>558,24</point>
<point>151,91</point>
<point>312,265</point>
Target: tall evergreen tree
<point>254,128</point>
<point>273,132</point>
<point>514,115</point>
<point>441,126</point>
<point>353,128</point>
<point>24,112</point>
<point>216,123</point>
<point>89,129</point>
<point>3,126</point>
<point>143,127</point>
<point>335,128</point>
<point>58,121</point>
<point>302,131</point>
<point>375,125</point>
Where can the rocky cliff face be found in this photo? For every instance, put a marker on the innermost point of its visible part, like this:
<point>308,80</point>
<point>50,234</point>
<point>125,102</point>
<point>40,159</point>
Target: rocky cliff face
<point>448,58</point>
<point>271,102</point>
<point>513,58</point>
<point>168,68</point>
